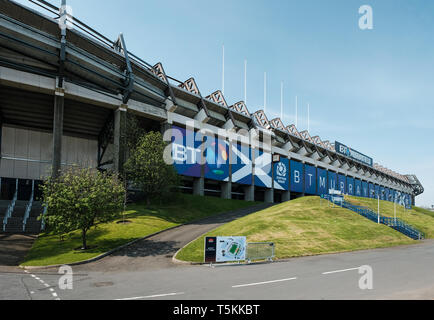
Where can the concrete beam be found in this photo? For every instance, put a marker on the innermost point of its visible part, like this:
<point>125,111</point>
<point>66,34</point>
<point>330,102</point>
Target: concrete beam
<point>286,196</point>
<point>59,108</point>
<point>249,193</point>
<point>119,152</point>
<point>202,116</point>
<point>226,188</point>
<point>199,186</point>
<point>269,196</point>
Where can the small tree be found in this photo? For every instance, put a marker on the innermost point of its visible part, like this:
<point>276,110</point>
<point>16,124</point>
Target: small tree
<point>79,198</point>
<point>147,169</point>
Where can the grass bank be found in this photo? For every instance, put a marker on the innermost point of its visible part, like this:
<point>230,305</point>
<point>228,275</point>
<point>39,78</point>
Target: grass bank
<point>48,250</point>
<point>419,218</point>
<point>306,226</point>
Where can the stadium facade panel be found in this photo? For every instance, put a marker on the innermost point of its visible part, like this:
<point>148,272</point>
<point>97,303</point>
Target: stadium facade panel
<point>65,98</point>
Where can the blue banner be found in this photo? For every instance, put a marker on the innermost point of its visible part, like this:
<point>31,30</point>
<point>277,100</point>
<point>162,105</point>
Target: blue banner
<point>281,174</point>
<point>387,192</point>
<point>377,191</point>
<point>263,173</point>
<point>353,154</point>
<point>242,164</point>
<point>333,181</point>
<point>217,159</point>
<point>186,152</point>
<point>309,179</point>
<point>342,183</point>
<point>297,175</point>
<point>371,191</point>
<point>358,187</point>
<point>350,186</point>
<point>322,182</point>
<point>382,193</point>
<point>365,189</point>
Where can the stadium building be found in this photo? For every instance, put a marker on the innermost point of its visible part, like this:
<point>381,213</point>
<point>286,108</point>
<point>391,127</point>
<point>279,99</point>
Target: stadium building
<point>65,93</point>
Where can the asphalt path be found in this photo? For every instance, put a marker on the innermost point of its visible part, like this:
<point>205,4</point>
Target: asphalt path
<point>145,271</point>
<point>398,273</point>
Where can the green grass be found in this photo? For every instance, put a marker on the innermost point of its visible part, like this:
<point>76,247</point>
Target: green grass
<point>306,226</point>
<point>419,218</point>
<point>49,250</point>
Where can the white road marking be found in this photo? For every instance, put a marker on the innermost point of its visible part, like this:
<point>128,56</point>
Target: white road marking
<point>338,271</point>
<point>262,283</point>
<point>53,293</point>
<point>153,296</point>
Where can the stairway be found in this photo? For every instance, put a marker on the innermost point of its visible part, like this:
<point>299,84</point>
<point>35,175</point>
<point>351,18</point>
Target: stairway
<point>33,225</point>
<point>396,224</point>
<point>15,222</point>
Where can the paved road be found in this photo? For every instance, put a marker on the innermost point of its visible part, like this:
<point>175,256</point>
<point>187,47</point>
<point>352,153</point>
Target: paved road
<point>398,273</point>
<point>144,272</point>
<point>13,249</point>
<point>153,253</point>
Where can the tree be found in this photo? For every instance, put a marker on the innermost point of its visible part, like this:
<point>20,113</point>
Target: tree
<point>147,169</point>
<point>79,198</point>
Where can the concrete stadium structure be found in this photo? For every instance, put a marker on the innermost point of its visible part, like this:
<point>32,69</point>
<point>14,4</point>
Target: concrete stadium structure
<point>65,95</point>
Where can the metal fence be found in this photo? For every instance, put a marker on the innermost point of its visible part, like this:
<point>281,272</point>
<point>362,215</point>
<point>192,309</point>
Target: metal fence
<point>260,251</point>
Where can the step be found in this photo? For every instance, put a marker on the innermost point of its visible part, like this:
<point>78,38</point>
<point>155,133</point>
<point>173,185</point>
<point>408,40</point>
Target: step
<point>21,203</point>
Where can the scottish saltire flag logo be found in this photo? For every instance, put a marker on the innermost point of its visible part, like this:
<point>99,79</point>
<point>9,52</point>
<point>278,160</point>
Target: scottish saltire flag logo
<point>263,169</point>
<point>242,164</point>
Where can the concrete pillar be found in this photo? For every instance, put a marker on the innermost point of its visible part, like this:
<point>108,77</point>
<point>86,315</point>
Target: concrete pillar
<point>269,196</point>
<point>286,196</point>
<point>199,186</point>
<point>59,108</point>
<point>226,190</point>
<point>164,127</point>
<point>249,193</point>
<point>119,138</point>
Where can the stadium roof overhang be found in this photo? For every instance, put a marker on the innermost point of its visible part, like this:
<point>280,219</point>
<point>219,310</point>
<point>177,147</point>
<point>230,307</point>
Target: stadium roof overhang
<point>31,42</point>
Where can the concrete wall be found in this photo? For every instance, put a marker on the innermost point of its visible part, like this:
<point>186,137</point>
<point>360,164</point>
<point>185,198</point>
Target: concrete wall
<point>27,154</point>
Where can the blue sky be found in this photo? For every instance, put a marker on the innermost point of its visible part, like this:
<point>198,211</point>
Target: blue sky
<point>372,90</point>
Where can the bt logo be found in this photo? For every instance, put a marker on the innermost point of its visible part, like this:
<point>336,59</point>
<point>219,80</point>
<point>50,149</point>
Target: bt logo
<point>344,150</point>
<point>185,154</point>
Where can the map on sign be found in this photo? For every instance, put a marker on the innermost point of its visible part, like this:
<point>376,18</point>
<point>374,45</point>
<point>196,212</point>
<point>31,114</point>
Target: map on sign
<point>231,249</point>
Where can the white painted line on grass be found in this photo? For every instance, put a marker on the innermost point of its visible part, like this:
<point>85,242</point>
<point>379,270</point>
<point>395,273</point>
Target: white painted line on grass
<point>262,283</point>
<point>338,271</point>
<point>153,296</point>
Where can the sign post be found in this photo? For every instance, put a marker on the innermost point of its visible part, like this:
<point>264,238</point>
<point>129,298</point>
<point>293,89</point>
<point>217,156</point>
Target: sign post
<point>225,249</point>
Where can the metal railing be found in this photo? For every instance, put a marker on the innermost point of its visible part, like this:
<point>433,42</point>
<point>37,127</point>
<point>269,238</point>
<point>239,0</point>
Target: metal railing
<point>29,207</point>
<point>11,208</point>
<point>260,251</point>
<point>394,223</point>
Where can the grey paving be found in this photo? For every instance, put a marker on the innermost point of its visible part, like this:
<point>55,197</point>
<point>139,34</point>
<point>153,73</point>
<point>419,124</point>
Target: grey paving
<point>145,271</point>
<point>399,273</point>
